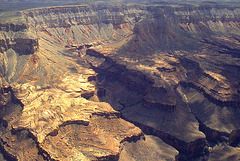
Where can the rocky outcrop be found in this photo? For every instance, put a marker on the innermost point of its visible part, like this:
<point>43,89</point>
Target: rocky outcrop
<point>224,152</point>
<point>66,109</point>
<point>148,147</point>
<point>12,27</point>
<point>15,36</point>
<point>98,140</point>
<point>15,145</point>
<point>173,71</point>
<point>207,94</point>
<point>5,96</point>
<point>22,46</point>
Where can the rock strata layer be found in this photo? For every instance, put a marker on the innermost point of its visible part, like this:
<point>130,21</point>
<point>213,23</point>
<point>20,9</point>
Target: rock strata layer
<point>74,77</point>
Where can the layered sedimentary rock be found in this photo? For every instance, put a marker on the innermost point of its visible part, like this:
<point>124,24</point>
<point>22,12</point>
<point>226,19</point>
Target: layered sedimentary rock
<point>50,93</point>
<point>15,36</point>
<point>148,147</point>
<point>182,54</point>
<point>173,71</point>
<point>51,113</point>
<point>224,152</point>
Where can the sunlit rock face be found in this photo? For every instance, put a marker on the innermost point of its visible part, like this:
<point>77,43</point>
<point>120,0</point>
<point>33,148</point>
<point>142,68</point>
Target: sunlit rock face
<point>74,77</point>
<point>149,147</point>
<point>55,113</point>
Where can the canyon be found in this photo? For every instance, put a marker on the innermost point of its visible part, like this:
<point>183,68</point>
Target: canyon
<point>121,82</point>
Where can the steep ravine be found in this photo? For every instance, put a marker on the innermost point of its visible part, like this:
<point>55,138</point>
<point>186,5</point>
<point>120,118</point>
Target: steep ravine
<point>187,150</point>
<point>172,71</point>
<point>110,72</point>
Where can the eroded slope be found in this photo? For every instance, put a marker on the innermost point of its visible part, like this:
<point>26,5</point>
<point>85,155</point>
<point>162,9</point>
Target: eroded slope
<point>173,71</point>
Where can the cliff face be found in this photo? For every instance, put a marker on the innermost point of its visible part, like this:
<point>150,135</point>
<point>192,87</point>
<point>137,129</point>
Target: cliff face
<point>12,27</point>
<point>22,46</point>
<point>15,37</point>
<point>50,93</point>
<point>85,24</point>
<point>173,71</point>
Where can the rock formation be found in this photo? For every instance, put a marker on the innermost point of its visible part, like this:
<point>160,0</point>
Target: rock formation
<point>85,82</point>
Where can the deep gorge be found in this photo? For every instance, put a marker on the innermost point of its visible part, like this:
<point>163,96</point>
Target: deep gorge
<point>121,82</point>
